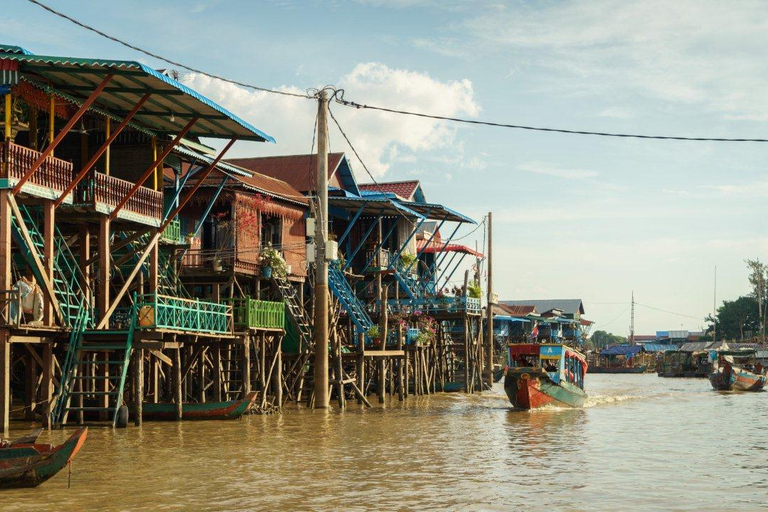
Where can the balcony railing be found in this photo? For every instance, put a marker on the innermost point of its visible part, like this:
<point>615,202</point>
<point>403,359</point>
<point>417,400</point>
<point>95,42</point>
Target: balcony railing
<point>157,311</point>
<point>172,234</point>
<point>104,193</point>
<point>52,177</point>
<point>252,313</point>
<point>435,305</point>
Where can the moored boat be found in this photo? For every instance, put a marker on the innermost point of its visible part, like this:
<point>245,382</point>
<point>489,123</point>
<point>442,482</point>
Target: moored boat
<point>230,410</point>
<point>738,371</point>
<point>29,465</point>
<point>545,374</point>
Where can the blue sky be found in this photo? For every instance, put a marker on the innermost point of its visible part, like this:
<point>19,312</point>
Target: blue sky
<point>574,216</point>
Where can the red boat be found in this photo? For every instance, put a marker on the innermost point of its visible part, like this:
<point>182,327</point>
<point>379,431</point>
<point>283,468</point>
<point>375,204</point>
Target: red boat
<point>545,374</point>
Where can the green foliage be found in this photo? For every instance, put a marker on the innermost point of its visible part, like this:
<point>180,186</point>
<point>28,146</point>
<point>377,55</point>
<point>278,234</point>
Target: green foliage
<point>474,290</point>
<point>271,257</point>
<point>736,319</point>
<point>406,259</point>
<point>373,332</point>
<point>602,339</point>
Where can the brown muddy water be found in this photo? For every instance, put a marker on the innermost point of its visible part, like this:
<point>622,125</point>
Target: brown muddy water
<point>642,443</point>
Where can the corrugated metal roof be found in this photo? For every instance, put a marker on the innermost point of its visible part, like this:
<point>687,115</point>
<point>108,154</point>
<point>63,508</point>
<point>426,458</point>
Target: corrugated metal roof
<point>567,306</point>
<point>297,170</point>
<point>373,206</point>
<point>438,212</point>
<point>403,189</point>
<point>658,347</point>
<point>79,77</point>
<point>621,350</point>
<point>9,48</point>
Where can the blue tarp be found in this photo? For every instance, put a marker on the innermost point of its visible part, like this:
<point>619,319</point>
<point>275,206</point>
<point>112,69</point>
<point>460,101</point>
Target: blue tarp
<point>659,347</point>
<point>506,318</point>
<point>621,350</point>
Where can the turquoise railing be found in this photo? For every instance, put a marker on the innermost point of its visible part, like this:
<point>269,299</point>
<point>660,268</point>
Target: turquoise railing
<point>157,311</point>
<point>254,313</point>
<point>172,232</point>
<point>436,305</point>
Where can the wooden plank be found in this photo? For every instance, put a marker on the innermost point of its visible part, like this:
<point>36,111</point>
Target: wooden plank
<point>29,339</point>
<point>47,285</point>
<point>385,353</point>
<point>162,357</point>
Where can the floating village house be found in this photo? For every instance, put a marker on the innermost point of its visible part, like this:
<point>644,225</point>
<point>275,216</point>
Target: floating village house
<point>90,242</point>
<point>134,259</point>
<point>552,320</point>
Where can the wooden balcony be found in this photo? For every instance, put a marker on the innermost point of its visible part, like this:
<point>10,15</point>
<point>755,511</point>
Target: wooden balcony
<point>103,193</point>
<point>48,181</point>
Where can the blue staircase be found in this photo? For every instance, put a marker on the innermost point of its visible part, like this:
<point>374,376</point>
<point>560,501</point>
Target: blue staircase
<point>349,301</point>
<point>408,284</point>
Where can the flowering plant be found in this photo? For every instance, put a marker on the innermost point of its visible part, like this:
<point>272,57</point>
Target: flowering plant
<point>271,257</point>
<point>427,330</point>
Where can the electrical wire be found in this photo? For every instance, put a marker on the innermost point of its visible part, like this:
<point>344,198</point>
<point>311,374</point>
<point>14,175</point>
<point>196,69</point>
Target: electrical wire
<point>617,317</point>
<point>667,311</point>
<point>164,59</point>
<point>339,98</point>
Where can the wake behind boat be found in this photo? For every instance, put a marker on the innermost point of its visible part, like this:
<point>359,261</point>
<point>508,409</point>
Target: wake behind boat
<point>544,374</point>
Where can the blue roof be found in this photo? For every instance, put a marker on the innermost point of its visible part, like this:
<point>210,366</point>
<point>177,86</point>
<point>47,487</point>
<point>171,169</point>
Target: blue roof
<point>507,318</point>
<point>621,350</point>
<point>658,347</point>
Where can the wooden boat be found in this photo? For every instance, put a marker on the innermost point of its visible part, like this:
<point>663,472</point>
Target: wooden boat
<point>545,374</point>
<point>30,438</point>
<point>618,369</point>
<point>230,410</point>
<point>29,465</point>
<point>738,371</point>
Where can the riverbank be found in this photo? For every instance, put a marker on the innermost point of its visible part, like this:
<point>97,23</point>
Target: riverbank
<point>641,443</point>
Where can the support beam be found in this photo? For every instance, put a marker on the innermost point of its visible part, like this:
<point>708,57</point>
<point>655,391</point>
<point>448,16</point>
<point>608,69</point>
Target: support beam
<point>351,224</point>
<point>5,382</point>
<point>362,241</point>
<point>405,244</point>
<point>46,391</point>
<point>489,319</point>
<point>103,149</point>
<point>63,133</point>
<point>105,270</point>
<point>49,214</point>
<point>36,261</point>
<point>148,172</point>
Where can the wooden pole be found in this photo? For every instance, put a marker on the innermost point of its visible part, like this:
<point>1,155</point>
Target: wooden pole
<point>322,396</point>
<point>46,394</point>
<point>48,249</point>
<point>138,362</point>
<point>177,393</point>
<point>102,284</point>
<point>489,319</point>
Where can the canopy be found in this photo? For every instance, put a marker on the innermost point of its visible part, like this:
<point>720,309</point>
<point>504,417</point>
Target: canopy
<point>621,350</point>
<point>170,106</point>
<point>658,347</point>
<point>507,318</point>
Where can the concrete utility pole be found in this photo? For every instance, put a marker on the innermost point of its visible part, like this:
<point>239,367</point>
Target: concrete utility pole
<point>632,321</point>
<point>489,321</point>
<point>322,397</point>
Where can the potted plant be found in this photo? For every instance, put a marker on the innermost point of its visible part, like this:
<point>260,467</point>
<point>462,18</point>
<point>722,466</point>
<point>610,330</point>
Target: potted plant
<point>190,237</point>
<point>272,263</point>
<point>406,260</point>
<point>373,333</point>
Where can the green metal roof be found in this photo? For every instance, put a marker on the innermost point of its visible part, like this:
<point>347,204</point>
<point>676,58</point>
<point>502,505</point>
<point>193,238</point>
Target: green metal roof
<point>169,99</point>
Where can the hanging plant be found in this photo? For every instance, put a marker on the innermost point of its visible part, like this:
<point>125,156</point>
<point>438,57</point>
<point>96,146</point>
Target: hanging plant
<point>272,259</point>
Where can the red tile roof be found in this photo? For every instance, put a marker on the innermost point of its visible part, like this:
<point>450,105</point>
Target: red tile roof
<point>441,247</point>
<point>518,310</point>
<point>297,170</point>
<point>404,189</point>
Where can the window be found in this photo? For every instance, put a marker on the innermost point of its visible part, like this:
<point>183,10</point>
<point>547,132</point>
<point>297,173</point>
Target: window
<point>271,231</point>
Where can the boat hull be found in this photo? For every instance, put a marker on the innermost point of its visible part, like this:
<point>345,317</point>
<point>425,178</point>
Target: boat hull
<point>531,388</point>
<point>736,379</point>
<point>231,410</point>
<point>605,369</point>
<point>30,469</point>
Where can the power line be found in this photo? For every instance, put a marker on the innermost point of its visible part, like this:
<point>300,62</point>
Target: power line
<point>667,311</point>
<point>541,129</point>
<point>617,317</point>
<point>160,57</point>
<point>340,98</point>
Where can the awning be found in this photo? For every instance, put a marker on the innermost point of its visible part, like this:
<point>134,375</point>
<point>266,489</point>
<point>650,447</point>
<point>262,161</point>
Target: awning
<point>507,318</point>
<point>170,106</point>
<point>433,248</point>
<point>658,347</point>
<point>437,212</point>
<point>621,350</point>
<point>373,207</point>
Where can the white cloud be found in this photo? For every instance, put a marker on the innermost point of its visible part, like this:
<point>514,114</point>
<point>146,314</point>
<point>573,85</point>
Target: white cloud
<point>548,170</point>
<point>757,189</point>
<point>616,113</point>
<point>381,138</point>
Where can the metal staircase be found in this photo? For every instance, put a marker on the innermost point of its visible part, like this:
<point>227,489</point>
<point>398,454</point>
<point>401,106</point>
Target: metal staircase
<point>411,286</point>
<point>94,373</point>
<point>168,280</point>
<point>349,301</point>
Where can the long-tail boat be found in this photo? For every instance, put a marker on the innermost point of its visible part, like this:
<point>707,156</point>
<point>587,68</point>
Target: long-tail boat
<point>230,410</point>
<point>30,464</point>
<point>544,374</point>
<point>738,371</point>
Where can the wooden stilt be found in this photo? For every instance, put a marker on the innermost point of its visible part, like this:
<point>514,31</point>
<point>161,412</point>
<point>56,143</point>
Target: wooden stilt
<point>247,364</point>
<point>48,250</point>
<point>102,283</point>
<point>5,381</point>
<point>30,385</point>
<point>217,372</point>
<point>46,392</point>
<point>177,392</point>
<point>138,394</point>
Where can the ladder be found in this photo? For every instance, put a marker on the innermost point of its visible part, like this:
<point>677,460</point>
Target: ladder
<point>303,323</point>
<point>168,280</point>
<point>80,389</point>
<point>349,301</point>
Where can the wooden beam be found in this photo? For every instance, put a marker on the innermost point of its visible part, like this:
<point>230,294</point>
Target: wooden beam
<point>47,285</point>
<point>95,158</point>
<point>162,357</point>
<point>105,318</point>
<point>151,168</point>
<point>63,133</point>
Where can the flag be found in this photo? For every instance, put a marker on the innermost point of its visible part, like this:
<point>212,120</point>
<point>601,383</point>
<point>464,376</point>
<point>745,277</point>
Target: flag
<point>535,332</point>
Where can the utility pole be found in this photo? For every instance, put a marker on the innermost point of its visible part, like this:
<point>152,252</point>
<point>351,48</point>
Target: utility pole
<point>714,308</point>
<point>632,321</point>
<point>489,312</point>
<point>321,264</point>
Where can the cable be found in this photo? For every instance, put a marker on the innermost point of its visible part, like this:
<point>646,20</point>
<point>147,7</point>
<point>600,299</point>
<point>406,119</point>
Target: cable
<point>617,317</point>
<point>161,58</point>
<point>667,311</point>
<point>339,98</point>
<point>538,128</point>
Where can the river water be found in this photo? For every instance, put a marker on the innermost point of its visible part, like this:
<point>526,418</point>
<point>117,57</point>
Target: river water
<point>641,443</point>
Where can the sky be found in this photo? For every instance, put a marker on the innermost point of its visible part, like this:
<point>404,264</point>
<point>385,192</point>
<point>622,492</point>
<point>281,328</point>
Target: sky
<point>573,216</point>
